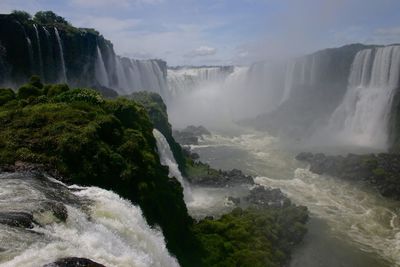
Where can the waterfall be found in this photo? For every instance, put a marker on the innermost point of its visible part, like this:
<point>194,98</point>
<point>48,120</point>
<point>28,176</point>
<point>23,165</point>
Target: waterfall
<point>139,75</point>
<point>289,80</point>
<point>122,80</point>
<point>167,159</point>
<point>39,47</point>
<point>63,68</point>
<point>362,117</point>
<point>30,51</point>
<point>100,226</point>
<point>186,78</point>
<point>100,69</point>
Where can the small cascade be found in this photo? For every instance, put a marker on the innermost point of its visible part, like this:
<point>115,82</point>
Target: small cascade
<point>289,80</point>
<point>167,159</point>
<point>62,60</point>
<point>123,84</point>
<point>30,51</point>
<point>39,47</point>
<point>362,117</point>
<point>100,69</point>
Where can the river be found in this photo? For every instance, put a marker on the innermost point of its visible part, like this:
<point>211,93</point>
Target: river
<point>350,225</point>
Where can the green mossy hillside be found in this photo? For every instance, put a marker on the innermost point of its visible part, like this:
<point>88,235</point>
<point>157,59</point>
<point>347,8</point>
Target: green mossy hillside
<point>94,141</point>
<point>157,111</point>
<point>253,237</point>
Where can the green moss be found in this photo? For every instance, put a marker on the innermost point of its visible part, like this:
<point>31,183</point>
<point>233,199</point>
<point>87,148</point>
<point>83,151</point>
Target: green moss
<point>6,95</point>
<point>379,172</point>
<point>105,143</point>
<point>252,237</point>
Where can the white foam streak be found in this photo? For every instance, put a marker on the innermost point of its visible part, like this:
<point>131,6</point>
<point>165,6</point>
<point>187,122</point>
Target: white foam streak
<point>100,69</point>
<point>61,55</point>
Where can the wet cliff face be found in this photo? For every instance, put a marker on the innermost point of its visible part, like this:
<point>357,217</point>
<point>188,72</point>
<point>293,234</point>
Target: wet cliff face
<point>61,53</point>
<point>31,48</point>
<point>311,88</point>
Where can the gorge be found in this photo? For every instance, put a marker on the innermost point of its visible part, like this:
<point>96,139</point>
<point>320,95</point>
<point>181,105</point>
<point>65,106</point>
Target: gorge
<point>100,174</point>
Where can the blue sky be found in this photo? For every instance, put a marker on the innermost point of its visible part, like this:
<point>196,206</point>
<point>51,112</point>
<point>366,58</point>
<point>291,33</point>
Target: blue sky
<point>217,32</point>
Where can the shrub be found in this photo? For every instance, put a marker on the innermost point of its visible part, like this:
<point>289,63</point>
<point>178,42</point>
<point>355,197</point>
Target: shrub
<point>52,90</point>
<point>28,90</point>
<point>21,16</point>
<point>6,95</point>
<point>49,17</point>
<point>80,95</point>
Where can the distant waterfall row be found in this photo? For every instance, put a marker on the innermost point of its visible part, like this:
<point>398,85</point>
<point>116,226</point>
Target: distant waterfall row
<point>127,75</point>
<point>81,58</point>
<point>188,78</point>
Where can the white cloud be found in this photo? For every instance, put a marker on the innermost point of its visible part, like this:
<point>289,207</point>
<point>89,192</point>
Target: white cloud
<point>111,3</point>
<point>107,25</point>
<point>389,35</point>
<point>202,51</point>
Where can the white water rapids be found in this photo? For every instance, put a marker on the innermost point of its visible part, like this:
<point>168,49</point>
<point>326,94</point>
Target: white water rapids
<point>100,226</point>
<point>362,228</point>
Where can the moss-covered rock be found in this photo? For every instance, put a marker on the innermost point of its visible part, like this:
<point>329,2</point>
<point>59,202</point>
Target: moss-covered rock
<point>157,111</point>
<point>378,170</point>
<point>252,237</point>
<point>105,143</point>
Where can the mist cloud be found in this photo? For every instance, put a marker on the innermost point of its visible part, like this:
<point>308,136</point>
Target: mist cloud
<point>201,51</point>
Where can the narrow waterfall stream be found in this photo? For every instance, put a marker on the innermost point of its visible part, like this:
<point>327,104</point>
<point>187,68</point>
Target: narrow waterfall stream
<point>61,55</point>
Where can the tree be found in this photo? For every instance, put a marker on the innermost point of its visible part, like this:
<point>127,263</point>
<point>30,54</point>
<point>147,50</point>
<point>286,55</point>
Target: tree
<point>49,17</point>
<point>21,16</point>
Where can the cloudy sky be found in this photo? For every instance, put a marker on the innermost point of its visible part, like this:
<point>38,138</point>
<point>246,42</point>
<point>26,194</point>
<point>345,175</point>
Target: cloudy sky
<point>217,32</point>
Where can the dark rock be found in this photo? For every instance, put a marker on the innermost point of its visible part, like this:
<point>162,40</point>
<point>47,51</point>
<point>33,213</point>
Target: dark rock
<point>74,262</point>
<point>235,200</point>
<point>190,135</point>
<point>57,208</point>
<point>382,171</point>
<point>220,178</point>
<point>267,197</point>
<point>17,219</point>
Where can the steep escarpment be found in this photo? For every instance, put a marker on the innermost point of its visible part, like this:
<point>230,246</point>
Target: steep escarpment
<point>311,88</point>
<point>50,47</point>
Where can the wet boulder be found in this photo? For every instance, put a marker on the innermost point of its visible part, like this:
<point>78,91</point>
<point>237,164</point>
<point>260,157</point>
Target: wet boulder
<point>74,262</point>
<point>17,219</point>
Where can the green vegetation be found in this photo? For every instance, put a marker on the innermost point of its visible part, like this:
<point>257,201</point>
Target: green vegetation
<point>94,141</point>
<point>157,111</point>
<point>49,17</point>
<point>252,237</point>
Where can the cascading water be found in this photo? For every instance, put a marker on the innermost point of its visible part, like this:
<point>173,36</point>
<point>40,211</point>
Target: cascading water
<point>99,226</point>
<point>123,84</point>
<point>39,47</point>
<point>100,69</point>
<point>167,159</point>
<point>139,75</point>
<point>362,117</point>
<point>62,60</point>
<point>184,79</point>
<point>30,51</point>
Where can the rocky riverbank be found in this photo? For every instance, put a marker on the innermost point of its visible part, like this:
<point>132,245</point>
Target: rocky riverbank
<point>382,171</point>
<point>190,135</point>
